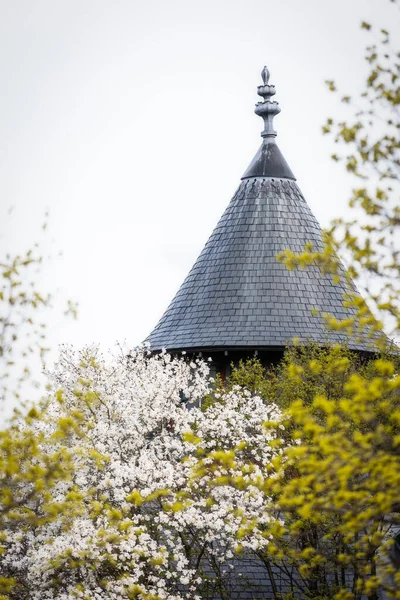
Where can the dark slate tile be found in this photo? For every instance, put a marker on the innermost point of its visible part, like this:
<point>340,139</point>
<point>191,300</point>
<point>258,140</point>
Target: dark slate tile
<point>237,281</point>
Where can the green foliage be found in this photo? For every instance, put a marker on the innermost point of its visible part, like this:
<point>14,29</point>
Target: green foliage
<point>307,370</point>
<point>347,464</point>
<point>252,375</point>
<point>23,311</point>
<point>369,148</point>
<point>345,468</point>
<point>21,334</point>
<point>32,461</point>
<point>336,479</point>
<point>249,374</point>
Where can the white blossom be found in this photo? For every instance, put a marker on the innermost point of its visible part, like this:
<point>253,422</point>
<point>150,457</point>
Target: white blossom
<point>136,419</point>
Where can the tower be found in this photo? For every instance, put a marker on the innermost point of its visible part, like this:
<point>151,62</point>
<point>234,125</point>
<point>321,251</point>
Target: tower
<point>238,300</point>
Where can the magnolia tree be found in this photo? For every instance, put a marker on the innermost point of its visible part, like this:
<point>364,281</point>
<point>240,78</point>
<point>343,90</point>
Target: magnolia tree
<point>144,527</point>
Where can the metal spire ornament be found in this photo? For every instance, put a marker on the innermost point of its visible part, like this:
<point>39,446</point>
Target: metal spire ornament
<point>267,109</point>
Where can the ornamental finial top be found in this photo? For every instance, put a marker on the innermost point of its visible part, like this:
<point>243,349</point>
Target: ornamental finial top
<point>265,74</point>
<point>267,109</point>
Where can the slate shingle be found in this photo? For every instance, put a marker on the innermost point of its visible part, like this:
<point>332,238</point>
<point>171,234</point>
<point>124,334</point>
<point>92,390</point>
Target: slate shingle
<point>238,295</point>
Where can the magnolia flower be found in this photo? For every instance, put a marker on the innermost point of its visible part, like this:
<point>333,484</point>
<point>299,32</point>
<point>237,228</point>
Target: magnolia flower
<point>142,520</point>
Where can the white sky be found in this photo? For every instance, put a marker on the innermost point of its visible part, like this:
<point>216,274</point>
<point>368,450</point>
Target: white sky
<point>132,122</point>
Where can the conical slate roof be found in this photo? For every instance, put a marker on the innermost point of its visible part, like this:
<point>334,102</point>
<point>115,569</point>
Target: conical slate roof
<point>237,296</point>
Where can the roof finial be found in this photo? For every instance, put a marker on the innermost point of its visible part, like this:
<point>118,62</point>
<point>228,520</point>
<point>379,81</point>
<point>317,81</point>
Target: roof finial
<point>265,74</point>
<point>267,109</point>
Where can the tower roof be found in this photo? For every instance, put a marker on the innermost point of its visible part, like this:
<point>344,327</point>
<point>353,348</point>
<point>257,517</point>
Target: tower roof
<point>237,295</point>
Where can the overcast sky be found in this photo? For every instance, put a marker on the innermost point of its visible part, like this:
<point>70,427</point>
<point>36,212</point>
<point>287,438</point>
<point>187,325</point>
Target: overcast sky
<point>132,122</point>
